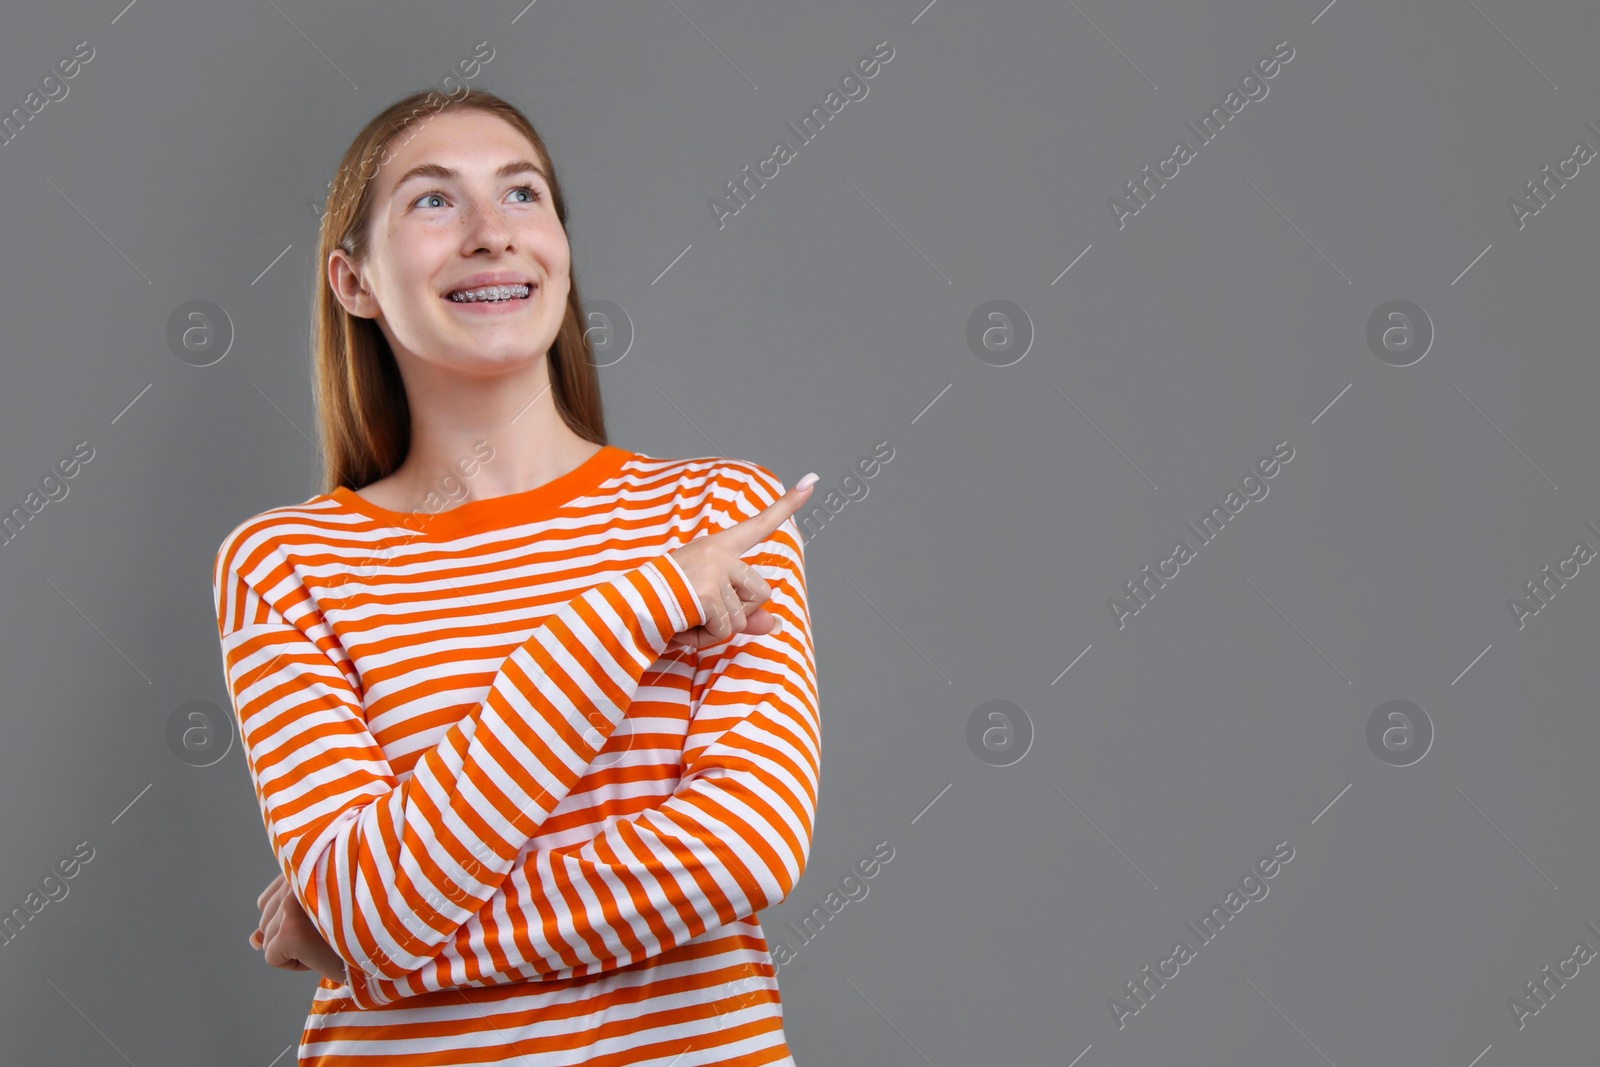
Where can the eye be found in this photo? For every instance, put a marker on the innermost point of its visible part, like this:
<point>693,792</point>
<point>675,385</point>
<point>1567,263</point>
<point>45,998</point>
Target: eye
<point>430,194</point>
<point>533,194</point>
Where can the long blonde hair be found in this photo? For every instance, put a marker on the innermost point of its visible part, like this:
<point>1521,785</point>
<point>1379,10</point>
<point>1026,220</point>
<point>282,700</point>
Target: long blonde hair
<point>363,417</point>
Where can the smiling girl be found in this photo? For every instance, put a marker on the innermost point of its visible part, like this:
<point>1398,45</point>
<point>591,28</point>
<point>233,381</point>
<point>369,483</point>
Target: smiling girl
<point>531,764</point>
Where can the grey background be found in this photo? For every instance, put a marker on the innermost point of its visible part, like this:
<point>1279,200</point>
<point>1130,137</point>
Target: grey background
<point>829,315</point>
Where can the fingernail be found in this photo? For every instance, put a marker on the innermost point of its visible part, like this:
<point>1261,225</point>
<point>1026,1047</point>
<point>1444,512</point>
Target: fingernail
<point>777,625</point>
<point>806,482</point>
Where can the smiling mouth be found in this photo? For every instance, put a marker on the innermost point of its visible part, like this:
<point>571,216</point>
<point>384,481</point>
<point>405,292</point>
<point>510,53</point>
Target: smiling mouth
<point>491,294</point>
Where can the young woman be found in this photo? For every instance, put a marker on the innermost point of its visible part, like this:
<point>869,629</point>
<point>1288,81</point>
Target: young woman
<point>531,718</point>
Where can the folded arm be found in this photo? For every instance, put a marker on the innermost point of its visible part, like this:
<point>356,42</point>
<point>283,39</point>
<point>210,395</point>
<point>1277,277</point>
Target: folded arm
<point>389,871</point>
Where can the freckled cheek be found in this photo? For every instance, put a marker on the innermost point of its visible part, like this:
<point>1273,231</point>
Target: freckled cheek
<point>546,228</point>
<point>416,252</point>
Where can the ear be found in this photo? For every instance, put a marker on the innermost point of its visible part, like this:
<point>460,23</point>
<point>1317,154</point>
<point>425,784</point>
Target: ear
<point>345,280</point>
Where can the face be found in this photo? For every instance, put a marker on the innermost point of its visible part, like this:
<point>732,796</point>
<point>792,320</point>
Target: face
<point>478,212</point>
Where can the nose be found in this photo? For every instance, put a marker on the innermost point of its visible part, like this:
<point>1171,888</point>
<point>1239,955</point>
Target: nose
<point>486,227</point>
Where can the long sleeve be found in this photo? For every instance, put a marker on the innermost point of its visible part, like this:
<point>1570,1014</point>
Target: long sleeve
<point>731,840</point>
<point>387,870</point>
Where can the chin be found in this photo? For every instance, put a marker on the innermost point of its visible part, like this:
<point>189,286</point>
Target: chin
<point>492,359</point>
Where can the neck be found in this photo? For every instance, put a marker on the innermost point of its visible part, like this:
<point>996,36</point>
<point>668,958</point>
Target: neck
<point>504,428</point>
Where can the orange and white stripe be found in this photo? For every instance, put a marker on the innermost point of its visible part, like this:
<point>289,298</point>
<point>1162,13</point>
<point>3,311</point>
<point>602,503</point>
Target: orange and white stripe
<point>533,834</point>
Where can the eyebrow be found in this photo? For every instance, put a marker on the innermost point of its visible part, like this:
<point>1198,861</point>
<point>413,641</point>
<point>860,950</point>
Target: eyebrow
<point>439,170</point>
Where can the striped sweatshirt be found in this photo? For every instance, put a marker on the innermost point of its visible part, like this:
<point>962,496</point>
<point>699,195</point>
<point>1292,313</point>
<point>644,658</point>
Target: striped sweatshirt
<point>533,834</point>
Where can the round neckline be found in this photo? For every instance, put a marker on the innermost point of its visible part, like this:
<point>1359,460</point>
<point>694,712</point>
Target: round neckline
<point>496,512</point>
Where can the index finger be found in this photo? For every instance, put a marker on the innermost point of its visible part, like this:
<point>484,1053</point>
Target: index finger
<point>751,532</point>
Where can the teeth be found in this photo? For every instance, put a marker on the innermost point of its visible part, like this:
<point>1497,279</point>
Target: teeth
<point>492,293</point>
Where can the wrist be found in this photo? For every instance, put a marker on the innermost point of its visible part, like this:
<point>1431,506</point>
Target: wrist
<point>676,589</point>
